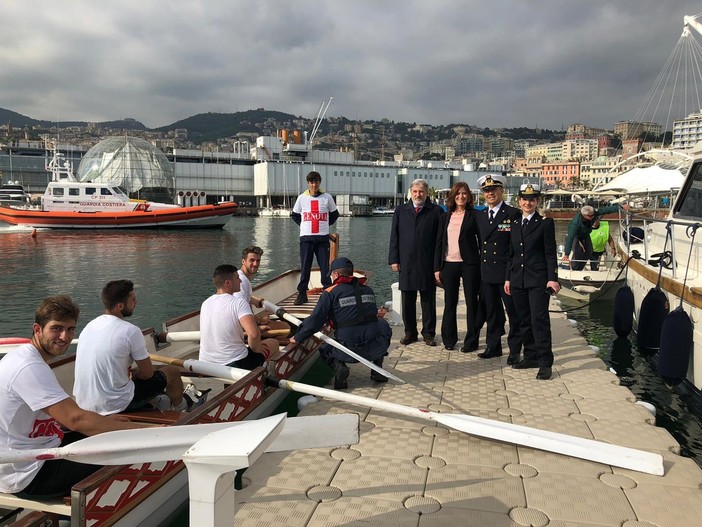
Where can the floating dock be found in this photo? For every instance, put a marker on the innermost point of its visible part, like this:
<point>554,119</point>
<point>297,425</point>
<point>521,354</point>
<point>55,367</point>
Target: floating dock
<point>407,472</point>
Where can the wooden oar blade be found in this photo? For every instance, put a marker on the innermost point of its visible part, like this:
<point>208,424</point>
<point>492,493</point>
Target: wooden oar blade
<point>317,431</point>
<point>597,451</point>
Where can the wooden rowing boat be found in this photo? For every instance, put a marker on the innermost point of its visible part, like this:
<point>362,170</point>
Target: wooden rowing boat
<point>152,493</point>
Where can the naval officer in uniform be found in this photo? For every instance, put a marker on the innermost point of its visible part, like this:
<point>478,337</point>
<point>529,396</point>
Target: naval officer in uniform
<point>532,274</point>
<point>494,225</point>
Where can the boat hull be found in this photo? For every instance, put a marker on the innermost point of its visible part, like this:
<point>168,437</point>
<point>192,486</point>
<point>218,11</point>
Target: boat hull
<point>199,217</point>
<point>588,285</point>
<point>150,494</point>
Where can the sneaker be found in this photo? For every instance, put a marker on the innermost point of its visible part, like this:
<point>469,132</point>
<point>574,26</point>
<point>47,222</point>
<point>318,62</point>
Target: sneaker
<point>301,298</point>
<point>194,397</point>
<point>341,375</point>
<point>162,402</point>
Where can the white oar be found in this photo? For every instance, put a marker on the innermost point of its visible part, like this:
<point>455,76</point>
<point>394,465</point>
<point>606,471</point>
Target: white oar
<point>194,336</point>
<point>144,445</point>
<point>269,306</point>
<point>614,455</point>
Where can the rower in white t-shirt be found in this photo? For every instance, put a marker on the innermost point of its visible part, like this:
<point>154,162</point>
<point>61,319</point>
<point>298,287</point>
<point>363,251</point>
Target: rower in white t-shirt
<point>107,348</point>
<point>250,263</point>
<point>224,319</point>
<point>36,412</point>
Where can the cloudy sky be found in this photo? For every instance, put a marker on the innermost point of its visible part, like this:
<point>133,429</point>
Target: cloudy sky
<point>492,63</point>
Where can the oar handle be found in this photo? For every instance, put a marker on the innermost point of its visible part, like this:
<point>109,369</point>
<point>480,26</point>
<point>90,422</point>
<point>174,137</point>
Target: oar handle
<point>167,360</point>
<point>192,336</point>
<point>280,312</point>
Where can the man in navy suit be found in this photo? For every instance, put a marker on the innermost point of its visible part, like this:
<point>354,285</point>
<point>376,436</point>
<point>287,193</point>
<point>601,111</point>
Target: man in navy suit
<point>411,254</point>
<point>532,274</point>
<point>494,225</point>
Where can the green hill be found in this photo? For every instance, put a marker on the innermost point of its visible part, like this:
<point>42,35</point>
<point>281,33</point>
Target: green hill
<point>17,120</point>
<point>211,126</point>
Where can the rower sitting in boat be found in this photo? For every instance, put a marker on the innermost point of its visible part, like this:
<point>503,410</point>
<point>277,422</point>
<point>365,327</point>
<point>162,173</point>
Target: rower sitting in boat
<point>35,410</point>
<point>107,348</point>
<point>224,318</point>
<point>349,304</point>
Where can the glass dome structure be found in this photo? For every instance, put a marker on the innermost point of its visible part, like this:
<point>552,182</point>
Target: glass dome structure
<point>141,169</point>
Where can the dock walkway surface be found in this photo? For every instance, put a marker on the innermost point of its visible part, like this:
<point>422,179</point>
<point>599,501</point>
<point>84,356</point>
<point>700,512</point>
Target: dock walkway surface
<point>406,472</point>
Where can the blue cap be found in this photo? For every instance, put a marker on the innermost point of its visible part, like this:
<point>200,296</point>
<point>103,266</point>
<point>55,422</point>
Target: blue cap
<point>340,263</point>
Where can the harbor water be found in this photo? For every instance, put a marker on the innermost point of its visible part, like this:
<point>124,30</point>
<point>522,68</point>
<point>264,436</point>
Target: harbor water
<point>172,272</point>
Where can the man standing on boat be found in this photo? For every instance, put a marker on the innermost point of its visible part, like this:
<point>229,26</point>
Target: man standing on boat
<point>36,413</point>
<point>349,305</point>
<point>415,226</point>
<point>107,348</point>
<point>224,317</point>
<point>578,238</point>
<point>314,211</point>
<point>494,226</point>
<point>600,238</point>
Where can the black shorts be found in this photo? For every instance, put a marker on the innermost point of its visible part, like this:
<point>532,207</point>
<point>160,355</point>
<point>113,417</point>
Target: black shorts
<point>252,361</point>
<point>147,389</point>
<point>55,478</point>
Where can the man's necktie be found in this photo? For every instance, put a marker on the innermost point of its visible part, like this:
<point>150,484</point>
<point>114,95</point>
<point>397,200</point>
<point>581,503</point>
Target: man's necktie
<point>417,209</point>
<point>492,214</point>
<point>525,222</point>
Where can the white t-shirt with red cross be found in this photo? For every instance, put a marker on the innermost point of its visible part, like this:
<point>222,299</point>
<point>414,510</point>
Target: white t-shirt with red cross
<point>315,213</point>
<point>27,385</point>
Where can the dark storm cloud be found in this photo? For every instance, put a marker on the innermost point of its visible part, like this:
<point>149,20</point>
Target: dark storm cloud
<point>502,63</point>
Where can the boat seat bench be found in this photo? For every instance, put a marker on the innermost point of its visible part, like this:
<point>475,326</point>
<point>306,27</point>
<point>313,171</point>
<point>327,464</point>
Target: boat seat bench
<point>61,506</point>
<point>159,417</point>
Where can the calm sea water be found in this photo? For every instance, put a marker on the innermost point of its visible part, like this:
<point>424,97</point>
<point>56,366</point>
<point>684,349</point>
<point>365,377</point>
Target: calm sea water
<point>172,272</point>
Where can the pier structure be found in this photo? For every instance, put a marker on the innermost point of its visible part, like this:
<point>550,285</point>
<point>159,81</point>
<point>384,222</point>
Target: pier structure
<point>407,472</point>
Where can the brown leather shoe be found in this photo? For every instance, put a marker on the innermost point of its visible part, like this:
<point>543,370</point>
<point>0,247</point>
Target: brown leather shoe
<point>429,341</point>
<point>408,339</point>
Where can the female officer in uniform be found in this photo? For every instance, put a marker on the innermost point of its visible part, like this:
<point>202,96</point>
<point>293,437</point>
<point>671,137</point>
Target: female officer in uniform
<point>532,274</point>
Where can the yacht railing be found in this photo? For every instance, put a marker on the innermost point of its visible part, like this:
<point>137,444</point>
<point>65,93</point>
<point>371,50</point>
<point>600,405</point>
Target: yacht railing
<point>627,220</point>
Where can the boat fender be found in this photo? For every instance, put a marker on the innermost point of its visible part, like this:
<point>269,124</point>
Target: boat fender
<point>654,309</point>
<point>623,311</point>
<point>17,341</point>
<point>675,348</point>
<point>595,349</point>
<point>302,402</point>
<point>637,235</point>
<point>648,406</point>
<point>572,322</point>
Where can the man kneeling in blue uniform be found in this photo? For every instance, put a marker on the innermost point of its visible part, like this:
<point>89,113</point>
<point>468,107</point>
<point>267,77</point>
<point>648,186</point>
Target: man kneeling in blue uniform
<point>349,306</point>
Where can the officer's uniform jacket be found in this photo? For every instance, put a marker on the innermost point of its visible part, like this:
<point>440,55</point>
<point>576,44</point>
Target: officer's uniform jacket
<point>495,242</point>
<point>533,261</point>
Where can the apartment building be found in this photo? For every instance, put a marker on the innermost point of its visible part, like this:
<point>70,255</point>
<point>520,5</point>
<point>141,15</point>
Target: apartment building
<point>688,131</point>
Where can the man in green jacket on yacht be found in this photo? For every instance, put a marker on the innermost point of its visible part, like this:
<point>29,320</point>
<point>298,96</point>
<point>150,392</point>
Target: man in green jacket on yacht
<point>578,238</point>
